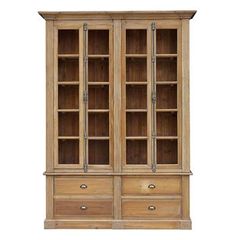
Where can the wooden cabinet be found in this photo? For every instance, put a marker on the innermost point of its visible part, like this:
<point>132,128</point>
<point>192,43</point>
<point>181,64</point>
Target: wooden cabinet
<point>117,119</point>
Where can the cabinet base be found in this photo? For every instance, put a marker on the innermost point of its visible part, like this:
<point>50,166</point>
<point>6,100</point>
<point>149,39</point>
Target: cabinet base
<point>117,224</point>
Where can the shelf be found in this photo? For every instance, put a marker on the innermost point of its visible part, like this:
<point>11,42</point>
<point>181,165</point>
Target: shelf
<point>166,96</point>
<point>136,70</point>
<point>137,138</point>
<point>105,56</point>
<point>167,110</point>
<point>99,138</point>
<point>67,110</point>
<point>136,55</point>
<point>68,97</point>
<point>68,41</point>
<point>98,69</point>
<point>166,40</point>
<point>98,42</point>
<point>136,41</point>
<point>98,83</point>
<point>98,110</point>
<point>136,96</point>
<point>68,55</point>
<point>166,55</point>
<point>166,137</point>
<point>98,124</point>
<point>68,124</point>
<point>68,83</point>
<point>136,83</point>
<point>166,123</point>
<point>136,152</point>
<point>166,82</point>
<point>136,124</point>
<point>136,110</point>
<point>98,153</point>
<point>68,138</point>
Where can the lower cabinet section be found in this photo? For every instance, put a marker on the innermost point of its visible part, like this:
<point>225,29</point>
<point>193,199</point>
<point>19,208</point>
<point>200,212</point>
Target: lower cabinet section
<point>120,202</point>
<point>148,208</point>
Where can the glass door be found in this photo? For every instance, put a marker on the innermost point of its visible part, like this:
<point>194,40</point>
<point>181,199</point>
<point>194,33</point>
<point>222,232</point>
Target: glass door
<point>67,98</point>
<point>100,97</point>
<point>135,97</point>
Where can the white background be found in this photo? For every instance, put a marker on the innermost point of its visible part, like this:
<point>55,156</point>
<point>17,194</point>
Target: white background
<point>22,119</point>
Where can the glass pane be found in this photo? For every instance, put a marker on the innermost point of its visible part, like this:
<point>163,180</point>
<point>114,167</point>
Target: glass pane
<point>136,41</point>
<point>167,151</point>
<point>167,97</point>
<point>98,97</point>
<point>98,70</point>
<point>98,124</point>
<point>68,151</point>
<point>166,41</point>
<point>166,69</point>
<point>136,124</point>
<point>68,69</point>
<point>68,97</point>
<point>167,124</point>
<point>98,41</point>
<point>136,96</point>
<point>68,41</point>
<point>98,152</point>
<point>136,69</point>
<point>136,152</point>
<point>68,124</point>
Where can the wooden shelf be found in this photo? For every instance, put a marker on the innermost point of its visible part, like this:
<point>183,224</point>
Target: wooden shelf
<point>166,82</point>
<point>136,138</point>
<point>98,138</point>
<point>166,110</point>
<point>136,55</point>
<point>136,110</point>
<point>98,56</point>
<point>166,137</point>
<point>68,137</point>
<point>98,83</point>
<point>68,110</point>
<point>68,83</point>
<point>68,55</point>
<point>98,110</point>
<point>166,55</point>
<point>136,83</point>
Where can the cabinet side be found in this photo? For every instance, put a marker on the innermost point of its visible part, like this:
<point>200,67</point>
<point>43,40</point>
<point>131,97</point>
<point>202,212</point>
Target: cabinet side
<point>49,119</point>
<point>185,97</point>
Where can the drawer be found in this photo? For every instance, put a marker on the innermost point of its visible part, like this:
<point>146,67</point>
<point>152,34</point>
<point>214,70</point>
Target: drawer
<point>83,186</point>
<point>161,208</point>
<point>151,185</point>
<point>78,208</point>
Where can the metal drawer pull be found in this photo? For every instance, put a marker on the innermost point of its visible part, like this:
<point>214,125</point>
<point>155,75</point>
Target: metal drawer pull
<point>83,207</point>
<point>151,186</point>
<point>151,208</point>
<point>83,186</point>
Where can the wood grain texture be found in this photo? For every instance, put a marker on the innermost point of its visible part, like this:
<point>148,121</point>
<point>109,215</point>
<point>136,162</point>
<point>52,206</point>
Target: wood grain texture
<point>161,208</point>
<point>151,185</point>
<point>94,186</point>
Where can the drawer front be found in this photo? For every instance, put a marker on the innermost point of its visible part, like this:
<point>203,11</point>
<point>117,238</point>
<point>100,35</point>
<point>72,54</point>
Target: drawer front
<point>151,185</point>
<point>151,208</point>
<point>83,186</point>
<point>78,208</point>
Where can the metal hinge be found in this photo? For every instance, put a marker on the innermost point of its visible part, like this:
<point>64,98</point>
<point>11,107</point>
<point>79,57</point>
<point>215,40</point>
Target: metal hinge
<point>154,167</point>
<point>85,167</point>
<point>85,27</point>
<point>153,59</point>
<point>153,26</point>
<point>85,59</point>
<point>154,97</point>
<point>85,96</point>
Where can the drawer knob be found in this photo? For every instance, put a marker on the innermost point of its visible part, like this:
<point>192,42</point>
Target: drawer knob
<point>83,186</point>
<point>151,208</point>
<point>151,186</point>
<point>83,207</point>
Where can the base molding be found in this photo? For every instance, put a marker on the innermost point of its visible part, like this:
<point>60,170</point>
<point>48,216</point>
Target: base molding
<point>117,224</point>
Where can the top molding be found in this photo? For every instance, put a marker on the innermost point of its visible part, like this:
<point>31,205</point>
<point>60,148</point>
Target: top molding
<point>101,15</point>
